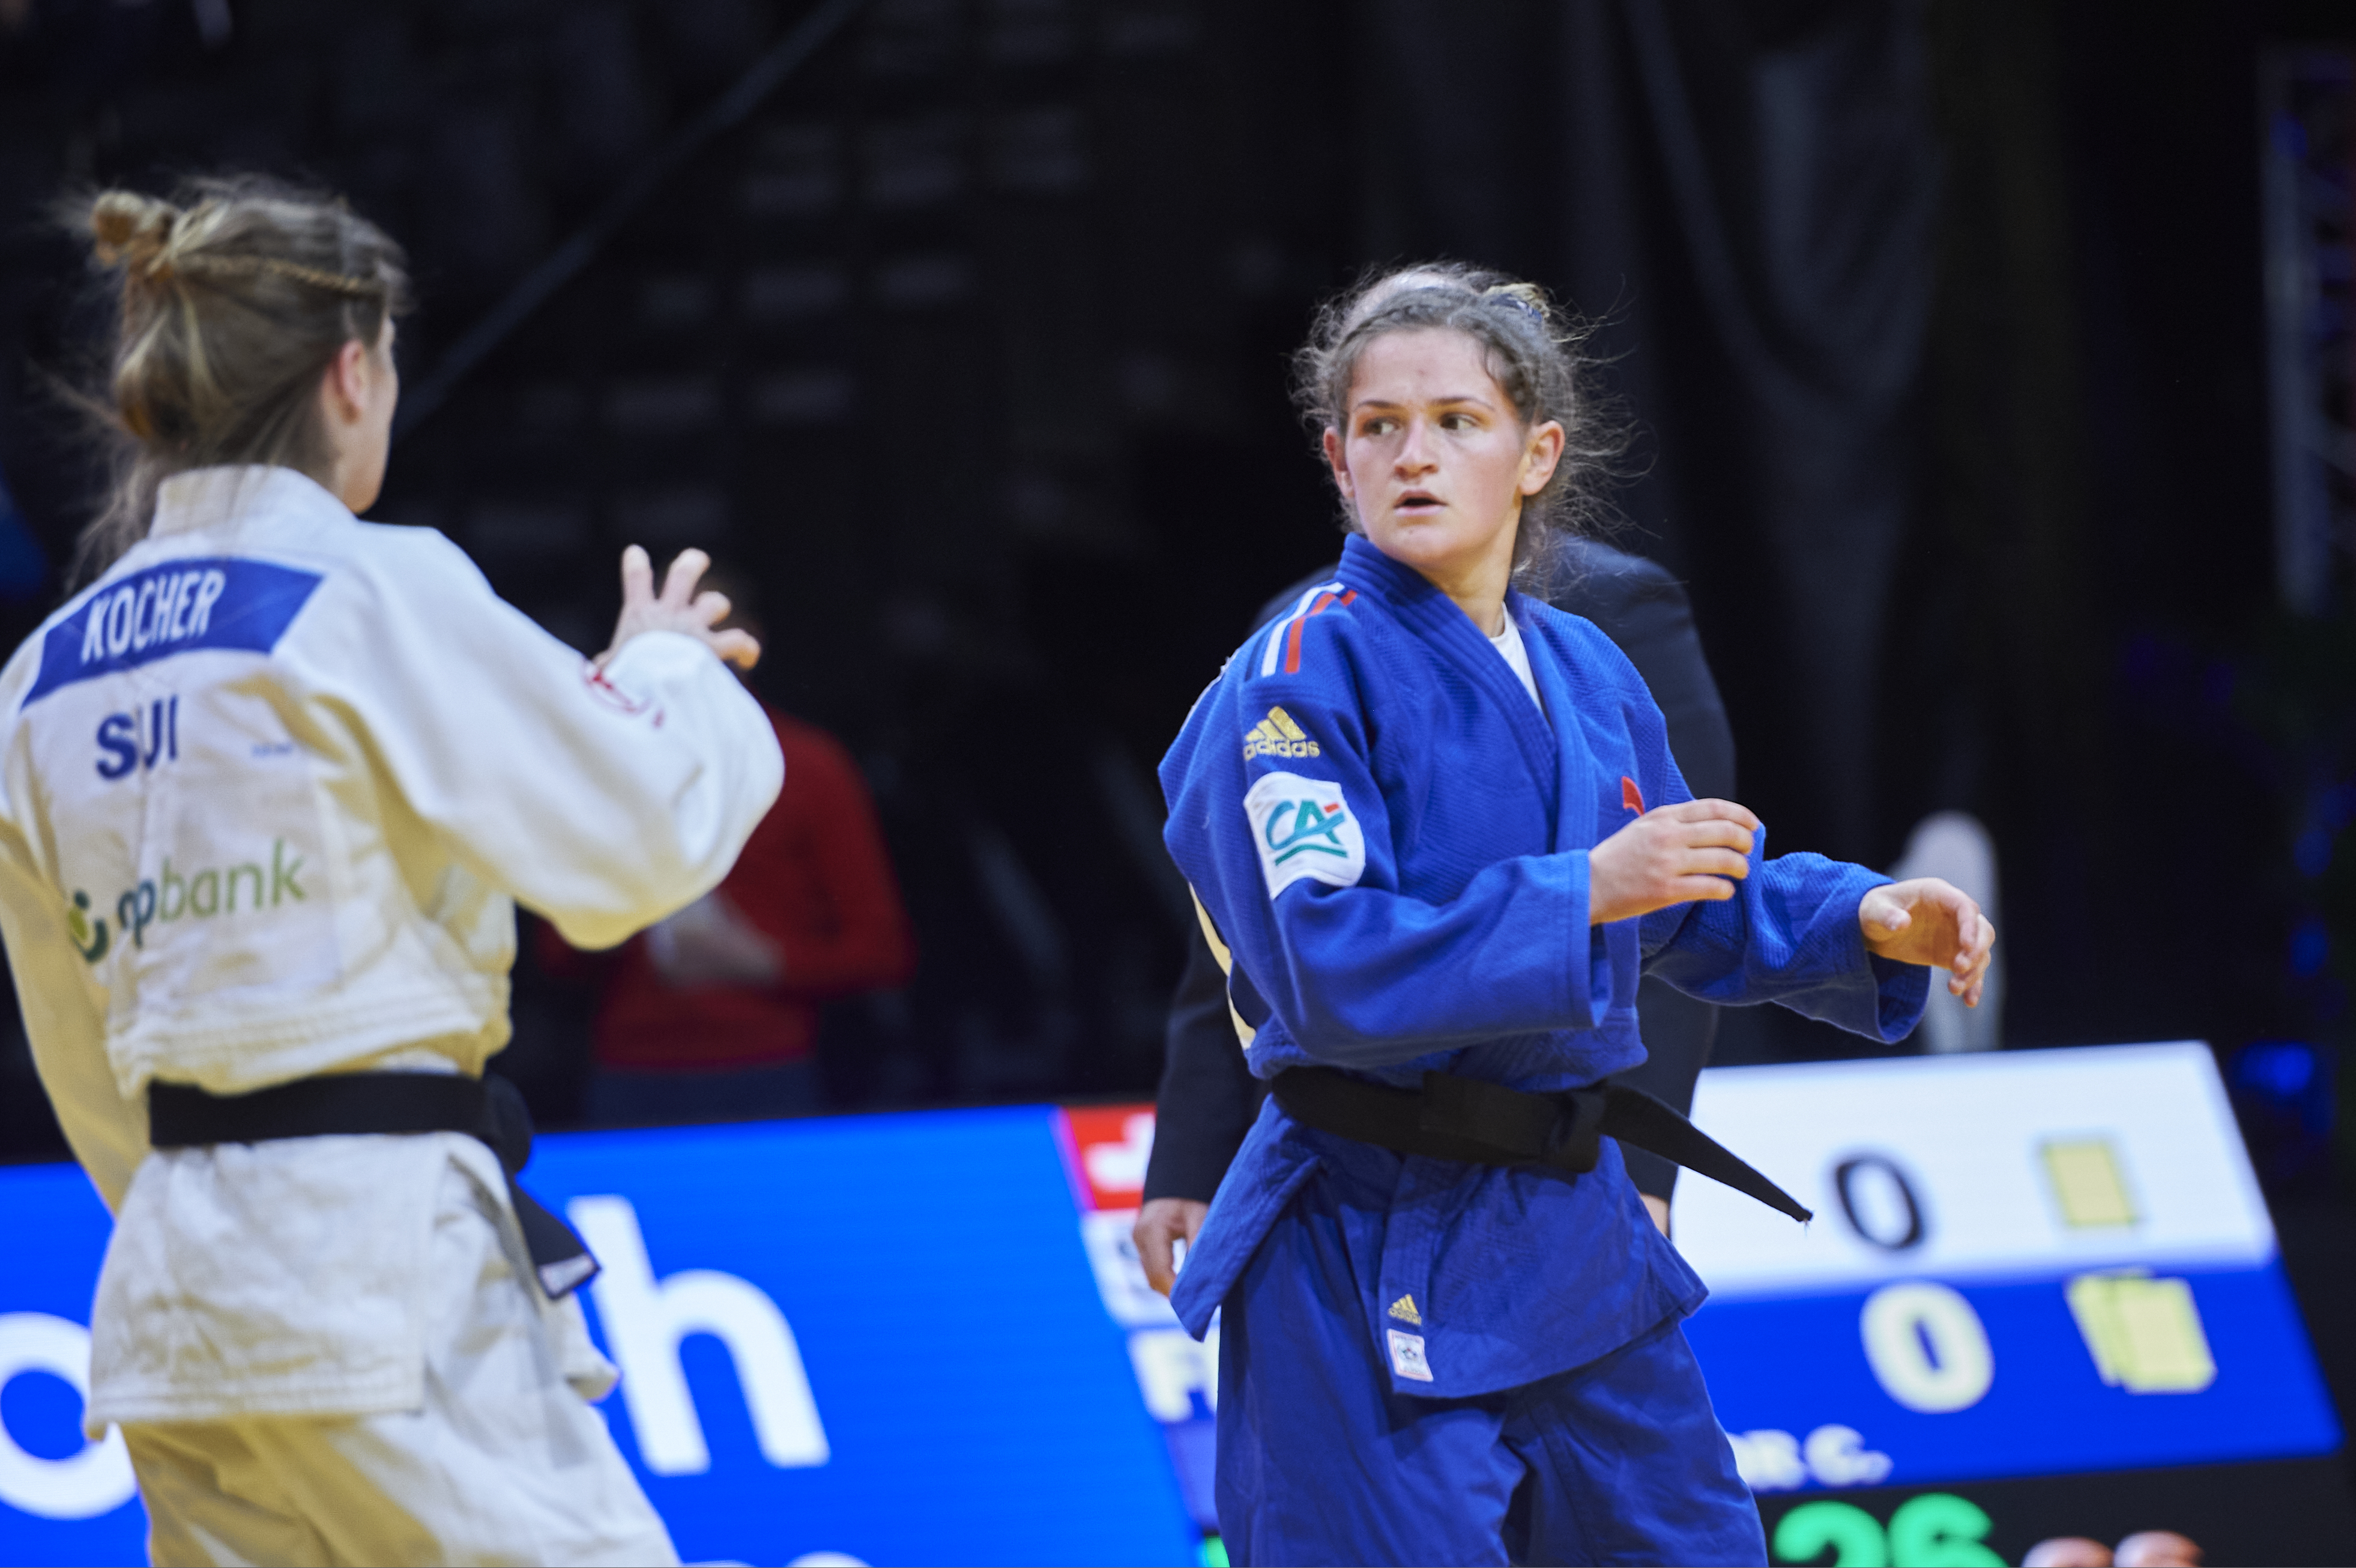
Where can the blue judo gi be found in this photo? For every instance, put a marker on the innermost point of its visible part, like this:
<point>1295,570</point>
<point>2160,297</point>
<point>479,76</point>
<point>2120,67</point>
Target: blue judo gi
<point>1425,1360</point>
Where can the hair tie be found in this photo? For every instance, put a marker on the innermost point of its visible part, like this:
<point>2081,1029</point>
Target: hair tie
<point>1509,294</point>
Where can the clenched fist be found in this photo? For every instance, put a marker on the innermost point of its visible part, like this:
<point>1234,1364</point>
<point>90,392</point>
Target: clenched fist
<point>1675,855</point>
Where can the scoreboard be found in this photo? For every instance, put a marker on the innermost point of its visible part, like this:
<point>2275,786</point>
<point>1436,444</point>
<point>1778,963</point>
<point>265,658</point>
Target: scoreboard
<point>2041,1297</point>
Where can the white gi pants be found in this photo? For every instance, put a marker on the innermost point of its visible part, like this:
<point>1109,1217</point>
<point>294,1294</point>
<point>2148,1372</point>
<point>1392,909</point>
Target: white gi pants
<point>504,1464</point>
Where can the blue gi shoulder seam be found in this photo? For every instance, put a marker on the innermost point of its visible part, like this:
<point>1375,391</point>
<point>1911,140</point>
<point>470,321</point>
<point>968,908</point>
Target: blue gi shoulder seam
<point>1280,648</point>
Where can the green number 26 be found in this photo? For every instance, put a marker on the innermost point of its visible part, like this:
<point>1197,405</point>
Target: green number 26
<point>1937,1529</point>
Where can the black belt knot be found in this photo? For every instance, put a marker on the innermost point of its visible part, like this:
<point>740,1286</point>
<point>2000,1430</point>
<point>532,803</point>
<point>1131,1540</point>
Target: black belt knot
<point>490,1109</point>
<point>1487,1123</point>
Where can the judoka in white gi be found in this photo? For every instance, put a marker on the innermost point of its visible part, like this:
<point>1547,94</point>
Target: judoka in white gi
<point>269,790</point>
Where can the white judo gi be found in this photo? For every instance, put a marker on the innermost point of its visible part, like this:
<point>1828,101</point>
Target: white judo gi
<point>267,791</point>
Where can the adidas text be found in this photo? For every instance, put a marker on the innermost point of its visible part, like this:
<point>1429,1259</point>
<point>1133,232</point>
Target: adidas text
<point>1278,736</point>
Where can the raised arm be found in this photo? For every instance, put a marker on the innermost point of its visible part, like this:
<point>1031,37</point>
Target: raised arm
<point>604,796</point>
<point>1721,921</point>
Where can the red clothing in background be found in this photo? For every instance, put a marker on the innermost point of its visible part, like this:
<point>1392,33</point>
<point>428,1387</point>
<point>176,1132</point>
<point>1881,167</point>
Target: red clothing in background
<point>811,911</point>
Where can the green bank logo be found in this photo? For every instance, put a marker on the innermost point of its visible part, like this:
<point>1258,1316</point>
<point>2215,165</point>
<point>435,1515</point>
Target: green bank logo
<point>210,892</point>
<point>89,937</point>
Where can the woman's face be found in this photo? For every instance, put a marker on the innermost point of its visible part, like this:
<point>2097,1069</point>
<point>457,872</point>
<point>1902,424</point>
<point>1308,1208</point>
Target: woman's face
<point>1434,458</point>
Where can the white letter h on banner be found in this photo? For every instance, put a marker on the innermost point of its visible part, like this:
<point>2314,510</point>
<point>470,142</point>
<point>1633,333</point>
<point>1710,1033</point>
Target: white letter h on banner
<point>646,1320</point>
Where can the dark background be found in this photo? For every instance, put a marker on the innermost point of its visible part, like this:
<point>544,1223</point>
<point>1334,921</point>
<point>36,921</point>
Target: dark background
<point>1943,325</point>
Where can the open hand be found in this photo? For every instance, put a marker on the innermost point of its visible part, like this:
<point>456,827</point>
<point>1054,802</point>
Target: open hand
<point>676,608</point>
<point>1929,923</point>
<point>1161,1225</point>
<point>1674,855</point>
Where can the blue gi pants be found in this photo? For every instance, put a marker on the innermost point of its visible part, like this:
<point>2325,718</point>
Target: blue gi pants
<point>1618,1461</point>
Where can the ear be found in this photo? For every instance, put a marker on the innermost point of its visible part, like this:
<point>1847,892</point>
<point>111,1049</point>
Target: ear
<point>349,380</point>
<point>1541,457</point>
<point>1338,460</point>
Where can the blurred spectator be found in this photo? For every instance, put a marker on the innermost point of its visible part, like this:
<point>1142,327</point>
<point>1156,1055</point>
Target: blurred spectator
<point>714,1012</point>
<point>2158,1549</point>
<point>2144,1549</point>
<point>23,568</point>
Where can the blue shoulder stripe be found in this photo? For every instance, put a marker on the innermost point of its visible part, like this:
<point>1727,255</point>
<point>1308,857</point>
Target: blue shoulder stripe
<point>211,602</point>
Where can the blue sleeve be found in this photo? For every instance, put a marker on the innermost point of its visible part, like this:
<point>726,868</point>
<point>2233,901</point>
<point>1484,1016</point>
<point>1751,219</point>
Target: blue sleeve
<point>1789,935</point>
<point>1287,842</point>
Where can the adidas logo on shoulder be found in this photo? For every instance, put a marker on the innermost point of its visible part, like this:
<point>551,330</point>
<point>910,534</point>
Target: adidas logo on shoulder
<point>1278,736</point>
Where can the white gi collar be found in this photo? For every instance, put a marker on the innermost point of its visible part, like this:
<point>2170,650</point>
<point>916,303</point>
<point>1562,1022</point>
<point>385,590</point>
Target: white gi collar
<point>207,497</point>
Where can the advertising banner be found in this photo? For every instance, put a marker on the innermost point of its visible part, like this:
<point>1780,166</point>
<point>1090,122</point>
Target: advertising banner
<point>873,1338</point>
<point>2041,1296</point>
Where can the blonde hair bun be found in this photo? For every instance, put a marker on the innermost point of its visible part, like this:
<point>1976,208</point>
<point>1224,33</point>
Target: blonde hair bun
<point>131,230</point>
<point>233,295</point>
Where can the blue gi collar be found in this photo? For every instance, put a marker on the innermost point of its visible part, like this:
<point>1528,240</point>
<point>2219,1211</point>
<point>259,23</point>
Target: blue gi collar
<point>1577,735</point>
<point>1434,617</point>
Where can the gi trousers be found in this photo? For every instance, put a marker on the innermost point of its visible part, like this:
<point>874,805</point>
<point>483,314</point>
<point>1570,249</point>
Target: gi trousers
<point>504,1463</point>
<point>1620,1460</point>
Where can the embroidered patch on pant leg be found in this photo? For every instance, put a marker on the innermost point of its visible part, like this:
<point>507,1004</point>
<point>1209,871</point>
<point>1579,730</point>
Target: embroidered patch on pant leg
<point>1407,1357</point>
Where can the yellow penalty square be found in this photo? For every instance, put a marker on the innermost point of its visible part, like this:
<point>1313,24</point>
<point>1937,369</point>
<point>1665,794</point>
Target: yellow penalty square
<point>2087,1183</point>
<point>2145,1334</point>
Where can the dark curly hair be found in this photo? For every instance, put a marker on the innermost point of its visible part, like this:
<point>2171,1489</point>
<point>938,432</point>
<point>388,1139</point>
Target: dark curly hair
<point>1534,351</point>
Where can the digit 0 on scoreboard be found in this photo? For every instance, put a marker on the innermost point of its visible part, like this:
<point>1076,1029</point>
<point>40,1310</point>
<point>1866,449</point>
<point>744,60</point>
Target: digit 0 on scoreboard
<point>2030,1266</point>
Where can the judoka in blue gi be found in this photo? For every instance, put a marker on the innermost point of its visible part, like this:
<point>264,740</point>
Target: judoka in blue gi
<point>1434,825</point>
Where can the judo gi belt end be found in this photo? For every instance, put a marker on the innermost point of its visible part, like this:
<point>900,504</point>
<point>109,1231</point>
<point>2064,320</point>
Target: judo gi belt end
<point>181,1115</point>
<point>1487,1123</point>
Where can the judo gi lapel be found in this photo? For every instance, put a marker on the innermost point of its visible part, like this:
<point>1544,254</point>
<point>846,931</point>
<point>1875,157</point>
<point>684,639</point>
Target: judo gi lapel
<point>1588,800</point>
<point>1436,620</point>
<point>1577,822</point>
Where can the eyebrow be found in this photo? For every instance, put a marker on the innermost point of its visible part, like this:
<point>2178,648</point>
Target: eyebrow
<point>1474,398</point>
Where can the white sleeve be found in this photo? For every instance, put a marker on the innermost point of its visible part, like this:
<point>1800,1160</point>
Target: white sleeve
<point>602,801</point>
<point>62,1019</point>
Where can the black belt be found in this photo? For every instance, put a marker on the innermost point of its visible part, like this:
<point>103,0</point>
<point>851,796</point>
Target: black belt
<point>181,1115</point>
<point>1487,1123</point>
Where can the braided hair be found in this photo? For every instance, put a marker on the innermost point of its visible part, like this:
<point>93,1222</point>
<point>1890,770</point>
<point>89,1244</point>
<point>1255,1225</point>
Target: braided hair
<point>231,300</point>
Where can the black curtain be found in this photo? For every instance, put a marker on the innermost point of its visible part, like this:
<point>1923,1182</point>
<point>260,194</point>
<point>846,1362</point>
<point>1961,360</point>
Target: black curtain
<point>1746,194</point>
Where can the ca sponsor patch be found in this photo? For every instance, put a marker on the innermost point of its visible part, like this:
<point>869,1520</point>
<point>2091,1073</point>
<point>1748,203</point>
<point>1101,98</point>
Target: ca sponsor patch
<point>1408,1358</point>
<point>1304,827</point>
